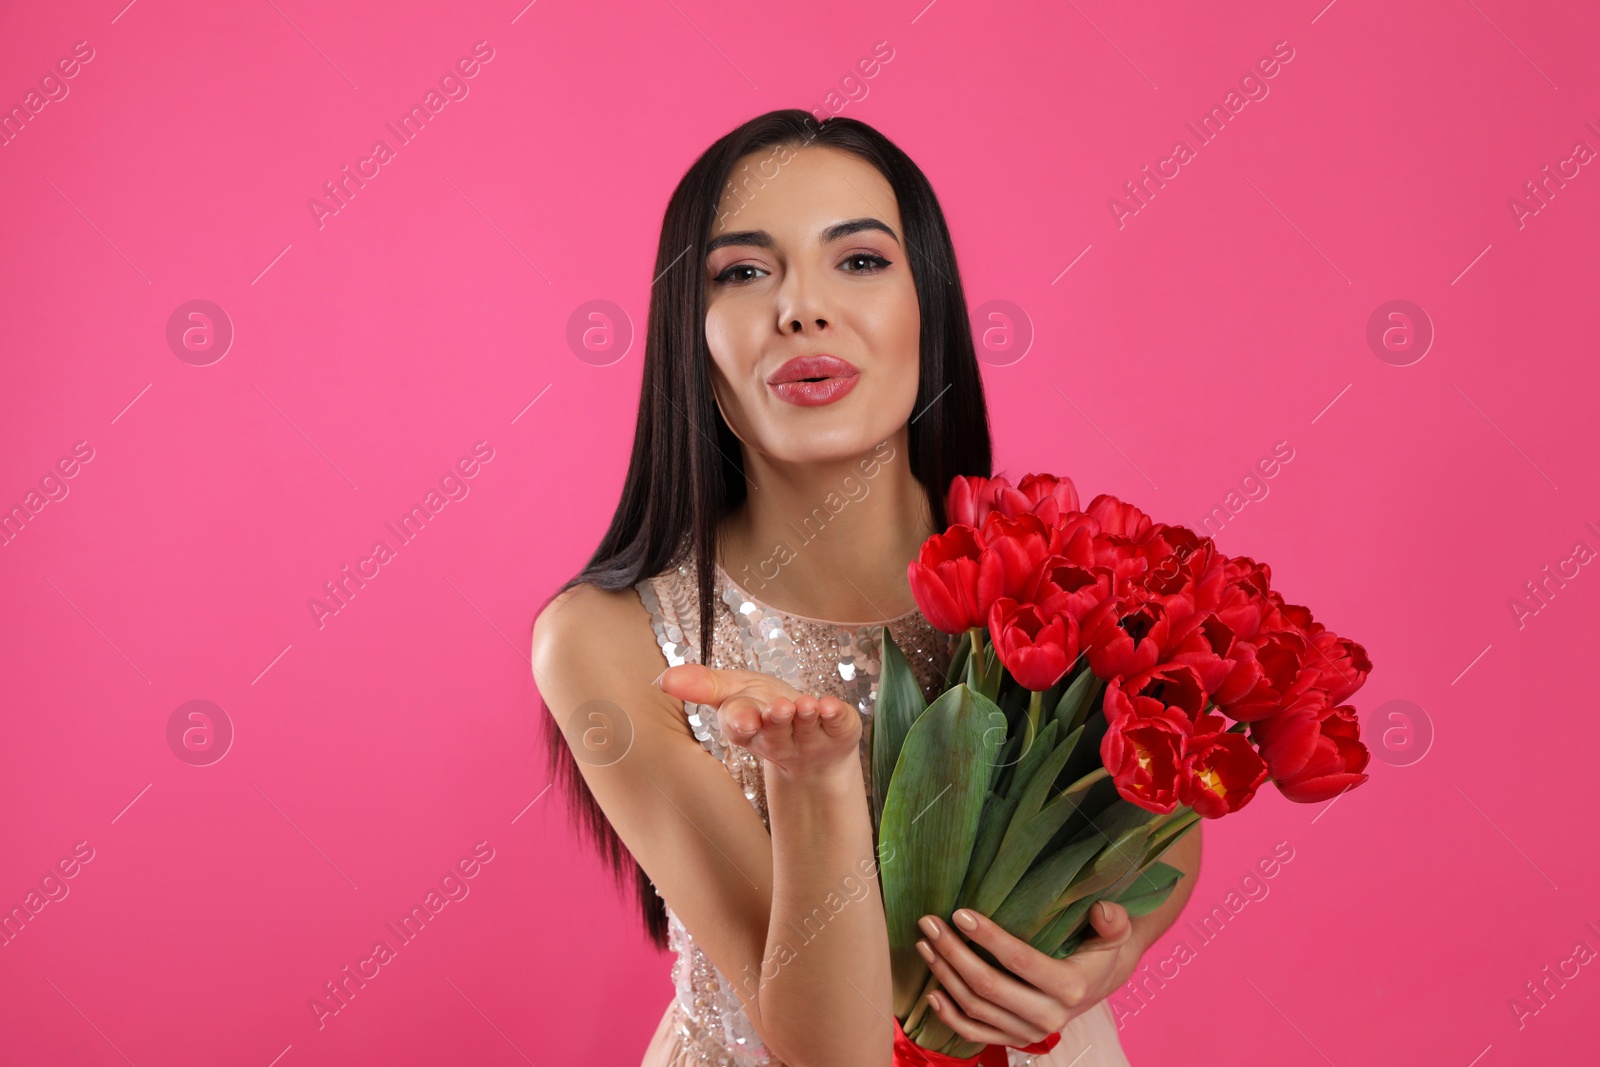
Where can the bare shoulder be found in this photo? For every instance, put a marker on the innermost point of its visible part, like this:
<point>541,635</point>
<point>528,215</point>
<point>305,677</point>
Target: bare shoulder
<point>593,629</point>
<point>597,644</point>
<point>586,611</point>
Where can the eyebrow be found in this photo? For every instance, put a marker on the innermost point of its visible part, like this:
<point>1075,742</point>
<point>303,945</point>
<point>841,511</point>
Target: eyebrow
<point>763,239</point>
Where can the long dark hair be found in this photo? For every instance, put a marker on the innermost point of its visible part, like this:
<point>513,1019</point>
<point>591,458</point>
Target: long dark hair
<point>686,472</point>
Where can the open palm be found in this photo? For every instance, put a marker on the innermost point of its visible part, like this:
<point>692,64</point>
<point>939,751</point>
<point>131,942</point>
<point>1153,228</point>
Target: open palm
<point>798,732</point>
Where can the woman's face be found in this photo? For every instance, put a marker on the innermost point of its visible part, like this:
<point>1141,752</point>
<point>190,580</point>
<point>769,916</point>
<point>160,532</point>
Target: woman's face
<point>810,263</point>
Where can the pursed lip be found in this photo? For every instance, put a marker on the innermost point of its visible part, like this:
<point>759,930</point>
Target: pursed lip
<point>819,366</point>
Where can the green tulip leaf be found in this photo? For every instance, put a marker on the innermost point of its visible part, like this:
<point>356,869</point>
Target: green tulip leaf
<point>1035,899</point>
<point>1044,775</point>
<point>1022,845</point>
<point>1043,743</point>
<point>961,652</point>
<point>1114,862</point>
<point>1165,838</point>
<point>992,826</point>
<point>931,817</point>
<point>1070,709</point>
<point>1150,889</point>
<point>899,705</point>
<point>984,674</point>
<point>1059,937</point>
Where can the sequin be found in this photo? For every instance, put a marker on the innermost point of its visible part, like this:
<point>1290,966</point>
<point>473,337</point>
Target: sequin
<point>711,1028</point>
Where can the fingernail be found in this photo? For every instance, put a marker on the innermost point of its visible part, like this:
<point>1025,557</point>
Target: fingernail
<point>1105,911</point>
<point>656,681</point>
<point>929,927</point>
<point>966,920</point>
<point>927,952</point>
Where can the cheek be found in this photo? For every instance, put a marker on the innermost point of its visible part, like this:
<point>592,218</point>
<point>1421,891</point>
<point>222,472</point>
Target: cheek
<point>727,340</point>
<point>888,321</point>
<point>719,336</point>
<point>909,327</point>
<point>897,335</point>
<point>730,372</point>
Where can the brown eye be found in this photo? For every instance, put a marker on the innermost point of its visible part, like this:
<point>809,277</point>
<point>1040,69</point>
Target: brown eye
<point>875,263</point>
<point>731,275</point>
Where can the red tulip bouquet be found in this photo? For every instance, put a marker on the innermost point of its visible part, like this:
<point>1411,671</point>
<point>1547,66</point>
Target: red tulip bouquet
<point>1116,680</point>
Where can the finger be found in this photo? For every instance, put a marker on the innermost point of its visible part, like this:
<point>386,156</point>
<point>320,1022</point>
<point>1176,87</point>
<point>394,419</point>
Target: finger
<point>966,1026</point>
<point>838,719</point>
<point>1113,925</point>
<point>1022,994</point>
<point>741,718</point>
<point>779,712</point>
<point>805,716</point>
<point>976,1007</point>
<point>700,684</point>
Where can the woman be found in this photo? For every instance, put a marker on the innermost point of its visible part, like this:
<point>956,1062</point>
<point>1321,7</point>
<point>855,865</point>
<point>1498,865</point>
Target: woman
<point>810,389</point>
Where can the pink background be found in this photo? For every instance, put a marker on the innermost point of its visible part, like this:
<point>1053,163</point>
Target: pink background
<point>373,752</point>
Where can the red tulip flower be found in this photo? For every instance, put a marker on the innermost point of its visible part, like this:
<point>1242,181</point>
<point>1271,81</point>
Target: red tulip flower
<point>1049,497</point>
<point>944,580</point>
<point>1313,759</point>
<point>1170,687</point>
<point>1342,665</point>
<point>1145,758</point>
<point>1123,637</point>
<point>1227,666</point>
<point>1035,648</point>
<point>1014,552</point>
<point>971,498</point>
<point>1119,519</point>
<point>1068,588</point>
<point>1221,770</point>
<point>1244,604</point>
<point>1280,676</point>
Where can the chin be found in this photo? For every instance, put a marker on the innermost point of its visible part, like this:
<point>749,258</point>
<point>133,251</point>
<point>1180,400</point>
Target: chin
<point>813,446</point>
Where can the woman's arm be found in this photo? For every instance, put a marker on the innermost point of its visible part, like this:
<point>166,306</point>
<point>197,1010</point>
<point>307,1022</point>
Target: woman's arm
<point>789,918</point>
<point>828,938</point>
<point>827,950</point>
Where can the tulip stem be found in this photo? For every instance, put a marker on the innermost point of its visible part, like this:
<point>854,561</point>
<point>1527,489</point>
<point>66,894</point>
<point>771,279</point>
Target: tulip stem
<point>1168,827</point>
<point>921,1007</point>
<point>1035,704</point>
<point>976,634</point>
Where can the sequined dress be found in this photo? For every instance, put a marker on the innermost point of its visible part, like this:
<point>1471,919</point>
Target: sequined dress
<point>704,1024</point>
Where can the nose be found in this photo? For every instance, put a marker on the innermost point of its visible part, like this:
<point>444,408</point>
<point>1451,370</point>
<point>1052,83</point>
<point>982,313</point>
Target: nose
<point>800,304</point>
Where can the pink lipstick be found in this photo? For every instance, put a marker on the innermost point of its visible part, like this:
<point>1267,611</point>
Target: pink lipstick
<point>810,381</point>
